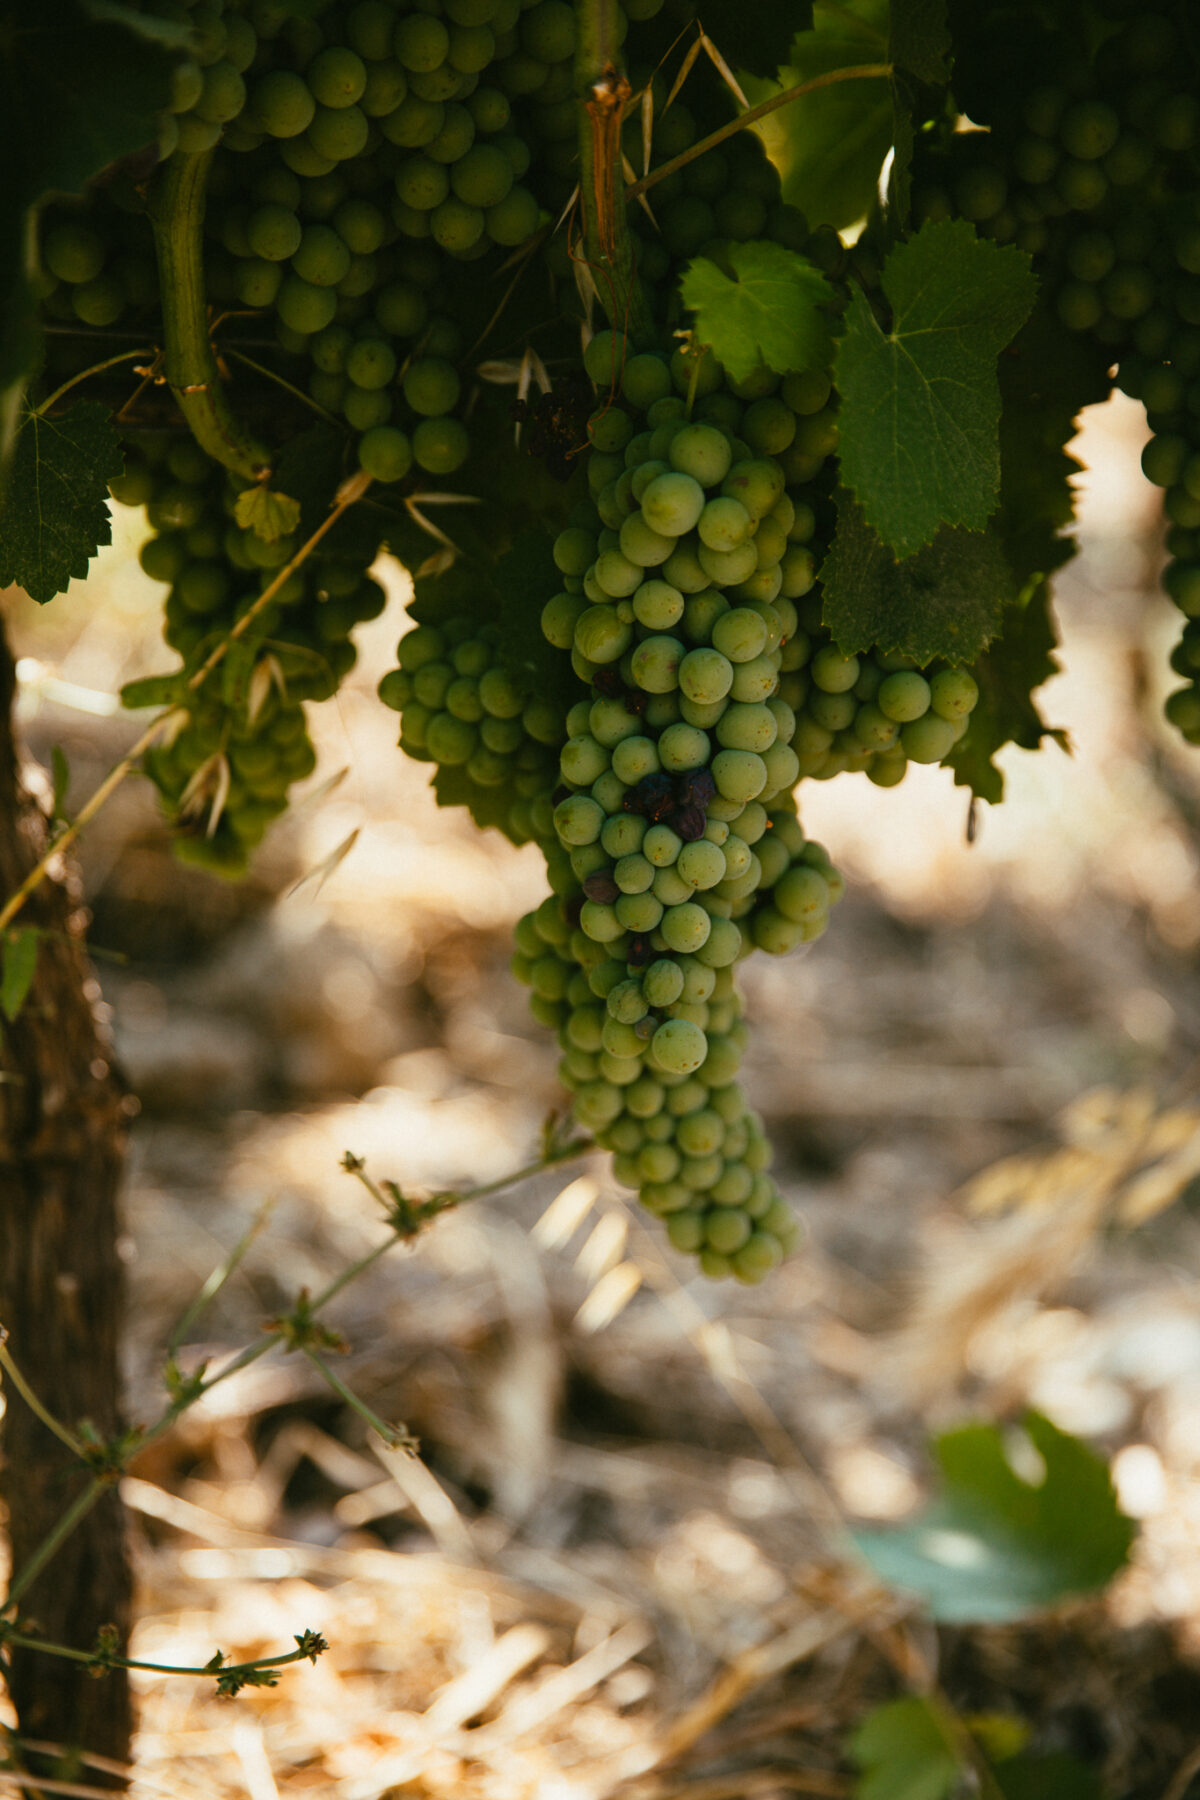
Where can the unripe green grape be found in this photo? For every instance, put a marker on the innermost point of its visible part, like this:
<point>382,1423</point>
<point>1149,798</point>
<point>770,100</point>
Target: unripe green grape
<point>728,567</point>
<point>670,889</point>
<point>338,133</point>
<point>683,747</point>
<point>366,408</point>
<point>1089,129</point>
<point>578,820</point>
<point>724,524</point>
<point>928,739</point>
<point>421,42</point>
<point>678,1047</point>
<point>685,927</point>
<point>834,673</point>
<point>662,983</point>
<point>99,302</point>
<point>223,93</point>
<point>682,569</point>
<point>747,727</point>
<point>904,696</point>
<point>281,104</point>
<point>739,635</point>
<point>414,123</point>
<point>633,758</point>
<point>740,775</point>
<point>639,913</point>
<point>656,664</point>
<point>456,226</point>
<point>657,605</point>
<point>645,379</point>
<point>609,720</point>
<point>755,680</point>
<point>702,452</point>
<point>450,741</point>
<point>701,864</point>
<point>73,253</point>
<point>634,874</point>
<point>560,616</point>
<point>617,575</point>
<point>758,483</point>
<point>482,177</point>
<point>321,259</point>
<point>643,546</point>
<point>274,233</point>
<point>601,636</point>
<point>953,693</point>
<point>514,219</point>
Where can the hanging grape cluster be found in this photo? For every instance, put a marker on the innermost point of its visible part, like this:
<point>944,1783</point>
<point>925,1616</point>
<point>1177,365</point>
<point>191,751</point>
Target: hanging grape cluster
<point>374,206</point>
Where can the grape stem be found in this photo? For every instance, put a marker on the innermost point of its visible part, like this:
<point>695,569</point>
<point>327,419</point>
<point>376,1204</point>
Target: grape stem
<point>351,491</point>
<point>860,72</point>
<point>603,90</point>
<point>177,214</point>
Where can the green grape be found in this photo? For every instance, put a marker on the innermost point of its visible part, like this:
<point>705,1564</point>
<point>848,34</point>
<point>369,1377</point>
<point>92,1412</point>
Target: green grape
<point>336,76</point>
<point>338,133</point>
<point>281,104</point>
<point>928,739</point>
<point>274,233</point>
<point>701,452</point>
<point>513,219</point>
<point>904,696</point>
<point>482,177</point>
<point>656,664</point>
<point>456,226</point>
<point>385,453</point>
<point>73,253</point>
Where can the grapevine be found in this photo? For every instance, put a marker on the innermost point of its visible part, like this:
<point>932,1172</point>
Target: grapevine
<point>783,507</point>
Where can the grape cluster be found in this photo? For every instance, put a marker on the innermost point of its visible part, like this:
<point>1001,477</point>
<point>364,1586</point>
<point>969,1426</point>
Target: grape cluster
<point>462,707</point>
<point>876,712</point>
<point>1095,177</point>
<point>226,773</point>
<point>679,1127</point>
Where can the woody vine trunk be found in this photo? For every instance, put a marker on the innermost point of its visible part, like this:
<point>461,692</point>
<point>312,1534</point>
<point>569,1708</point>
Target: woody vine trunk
<point>62,1129</point>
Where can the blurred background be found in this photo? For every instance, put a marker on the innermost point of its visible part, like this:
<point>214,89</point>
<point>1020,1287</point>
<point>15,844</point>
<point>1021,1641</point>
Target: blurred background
<point>619,1565</point>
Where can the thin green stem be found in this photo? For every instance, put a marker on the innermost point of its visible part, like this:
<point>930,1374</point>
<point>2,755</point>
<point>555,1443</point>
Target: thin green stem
<point>31,1400</point>
<point>220,1275</point>
<point>861,72</point>
<point>387,1432</point>
<point>177,214</point>
<point>78,1510</point>
<point>132,1662</point>
<point>44,406</point>
<point>280,381</point>
<point>603,89</point>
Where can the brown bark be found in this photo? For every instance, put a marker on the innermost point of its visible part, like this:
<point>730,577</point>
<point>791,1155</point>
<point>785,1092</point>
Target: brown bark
<point>62,1128</point>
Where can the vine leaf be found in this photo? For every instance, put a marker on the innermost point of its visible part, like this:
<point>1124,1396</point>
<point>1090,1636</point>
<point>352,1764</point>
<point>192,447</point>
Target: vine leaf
<point>54,513</point>
<point>830,145</point>
<point>994,1546</point>
<point>920,418</point>
<point>755,38</point>
<point>948,600</point>
<point>20,967</point>
<point>766,311</point>
<point>1020,660</point>
<point>269,515</point>
<point>905,1753</point>
<point>919,39</point>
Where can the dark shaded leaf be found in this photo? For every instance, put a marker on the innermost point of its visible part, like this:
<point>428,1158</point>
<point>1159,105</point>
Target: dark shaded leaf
<point>54,514</point>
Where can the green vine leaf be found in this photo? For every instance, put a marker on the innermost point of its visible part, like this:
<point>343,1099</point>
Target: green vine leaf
<point>20,967</point>
<point>830,145</point>
<point>54,514</point>
<point>948,600</point>
<point>756,38</point>
<point>919,39</point>
<point>269,515</point>
<point>766,310</point>
<point>995,1546</point>
<point>905,1753</point>
<point>920,417</point>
